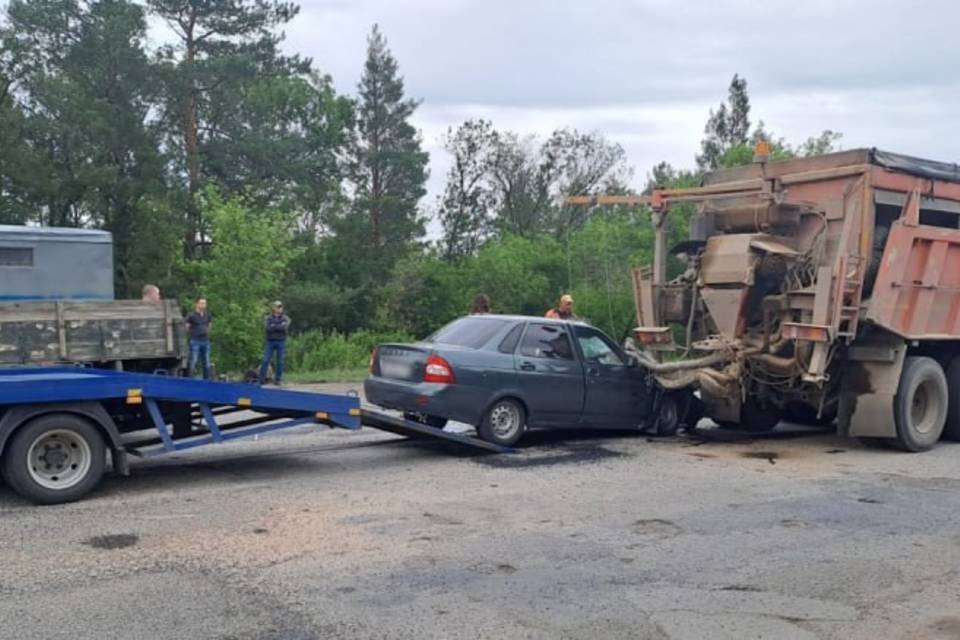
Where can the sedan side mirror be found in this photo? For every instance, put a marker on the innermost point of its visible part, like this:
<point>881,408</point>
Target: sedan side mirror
<point>632,362</point>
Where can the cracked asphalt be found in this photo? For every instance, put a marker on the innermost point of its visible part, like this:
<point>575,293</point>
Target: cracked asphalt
<point>330,534</point>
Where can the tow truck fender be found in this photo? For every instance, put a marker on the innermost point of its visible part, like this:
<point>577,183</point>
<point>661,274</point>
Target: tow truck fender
<point>92,411</point>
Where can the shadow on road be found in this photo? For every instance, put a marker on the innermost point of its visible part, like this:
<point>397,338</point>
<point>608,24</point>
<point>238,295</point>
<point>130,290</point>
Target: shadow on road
<point>539,448</point>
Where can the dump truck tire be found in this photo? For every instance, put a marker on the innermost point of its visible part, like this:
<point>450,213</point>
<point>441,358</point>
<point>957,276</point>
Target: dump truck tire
<point>55,458</point>
<point>920,406</point>
<point>951,430</point>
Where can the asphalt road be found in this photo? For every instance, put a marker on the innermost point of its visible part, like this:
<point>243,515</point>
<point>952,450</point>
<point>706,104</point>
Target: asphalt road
<point>321,534</point>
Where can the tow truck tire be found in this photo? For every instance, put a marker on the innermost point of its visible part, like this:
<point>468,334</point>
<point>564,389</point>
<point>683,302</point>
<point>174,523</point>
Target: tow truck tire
<point>920,406</point>
<point>54,459</point>
<point>951,430</point>
<point>504,422</point>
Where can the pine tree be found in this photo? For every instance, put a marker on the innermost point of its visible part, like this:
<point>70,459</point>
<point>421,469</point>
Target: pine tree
<point>738,123</point>
<point>225,49</point>
<point>727,127</point>
<point>85,152</point>
<point>389,168</point>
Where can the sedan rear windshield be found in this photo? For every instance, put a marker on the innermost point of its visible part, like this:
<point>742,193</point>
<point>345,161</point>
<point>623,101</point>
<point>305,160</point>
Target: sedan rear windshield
<point>472,332</point>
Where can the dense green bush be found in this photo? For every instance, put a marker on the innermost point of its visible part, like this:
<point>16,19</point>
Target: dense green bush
<point>239,277</point>
<point>318,351</point>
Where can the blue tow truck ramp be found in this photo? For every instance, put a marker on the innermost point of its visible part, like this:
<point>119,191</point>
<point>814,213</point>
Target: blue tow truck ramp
<point>57,423</point>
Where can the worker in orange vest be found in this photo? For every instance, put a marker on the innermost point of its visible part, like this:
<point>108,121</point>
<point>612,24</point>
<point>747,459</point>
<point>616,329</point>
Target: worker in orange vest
<point>564,310</point>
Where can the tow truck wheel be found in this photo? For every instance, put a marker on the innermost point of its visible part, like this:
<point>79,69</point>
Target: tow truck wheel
<point>504,422</point>
<point>920,406</point>
<point>54,459</point>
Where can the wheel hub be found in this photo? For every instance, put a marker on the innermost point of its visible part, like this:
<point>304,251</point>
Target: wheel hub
<point>920,409</point>
<point>54,457</point>
<point>504,420</point>
<point>59,459</point>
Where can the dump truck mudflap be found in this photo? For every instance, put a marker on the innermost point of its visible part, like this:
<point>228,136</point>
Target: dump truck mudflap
<point>869,386</point>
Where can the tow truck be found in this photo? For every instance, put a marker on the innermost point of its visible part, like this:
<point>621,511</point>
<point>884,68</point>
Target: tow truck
<point>85,378</point>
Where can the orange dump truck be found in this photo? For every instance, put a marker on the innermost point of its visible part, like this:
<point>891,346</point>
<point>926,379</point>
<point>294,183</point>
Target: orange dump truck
<point>815,290</point>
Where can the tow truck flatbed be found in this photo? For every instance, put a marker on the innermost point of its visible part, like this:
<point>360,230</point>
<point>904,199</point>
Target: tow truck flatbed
<point>57,423</point>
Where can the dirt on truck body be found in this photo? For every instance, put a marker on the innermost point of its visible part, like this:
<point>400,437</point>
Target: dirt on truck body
<point>815,289</point>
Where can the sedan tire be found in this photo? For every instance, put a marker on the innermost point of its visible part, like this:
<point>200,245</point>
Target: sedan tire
<point>504,422</point>
<point>668,415</point>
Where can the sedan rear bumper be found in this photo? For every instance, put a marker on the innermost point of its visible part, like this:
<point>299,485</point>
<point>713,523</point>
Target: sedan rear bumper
<point>457,402</point>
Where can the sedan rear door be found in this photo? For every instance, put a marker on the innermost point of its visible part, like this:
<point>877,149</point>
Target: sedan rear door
<point>549,376</point>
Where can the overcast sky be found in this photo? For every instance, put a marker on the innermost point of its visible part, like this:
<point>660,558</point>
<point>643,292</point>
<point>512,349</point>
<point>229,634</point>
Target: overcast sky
<point>646,72</point>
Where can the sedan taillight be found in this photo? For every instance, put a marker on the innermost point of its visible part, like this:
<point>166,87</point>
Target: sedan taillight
<point>438,370</point>
<point>373,359</point>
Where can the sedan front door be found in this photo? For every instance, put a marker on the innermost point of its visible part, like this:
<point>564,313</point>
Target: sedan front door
<point>617,394</point>
<point>549,375</point>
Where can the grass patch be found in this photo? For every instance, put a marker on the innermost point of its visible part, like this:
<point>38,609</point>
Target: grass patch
<point>326,375</point>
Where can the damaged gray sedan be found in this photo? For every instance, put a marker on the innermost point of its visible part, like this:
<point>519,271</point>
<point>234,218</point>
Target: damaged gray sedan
<point>506,374</point>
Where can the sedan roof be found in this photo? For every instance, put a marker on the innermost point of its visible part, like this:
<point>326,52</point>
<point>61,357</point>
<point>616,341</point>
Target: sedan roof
<point>511,316</point>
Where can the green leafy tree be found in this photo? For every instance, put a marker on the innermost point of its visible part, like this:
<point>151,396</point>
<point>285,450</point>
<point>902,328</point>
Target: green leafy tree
<point>87,152</point>
<point>389,170</point>
<point>16,160</point>
<point>601,254</point>
<point>826,142</point>
<point>218,75</point>
<point>465,208</point>
<point>249,253</point>
<point>517,185</point>
<point>521,275</point>
<point>423,293</point>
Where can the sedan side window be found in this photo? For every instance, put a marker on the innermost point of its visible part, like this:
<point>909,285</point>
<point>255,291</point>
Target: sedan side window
<point>546,341</point>
<point>509,342</point>
<point>597,348</point>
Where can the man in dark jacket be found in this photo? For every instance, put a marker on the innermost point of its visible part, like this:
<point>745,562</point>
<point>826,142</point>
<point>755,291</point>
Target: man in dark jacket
<point>275,324</point>
<point>198,323</point>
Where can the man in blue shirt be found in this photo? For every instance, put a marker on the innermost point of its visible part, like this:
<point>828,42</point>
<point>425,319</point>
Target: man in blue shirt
<point>275,324</point>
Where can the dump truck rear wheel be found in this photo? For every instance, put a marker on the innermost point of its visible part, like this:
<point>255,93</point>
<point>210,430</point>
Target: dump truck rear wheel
<point>951,430</point>
<point>54,459</point>
<point>920,406</point>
